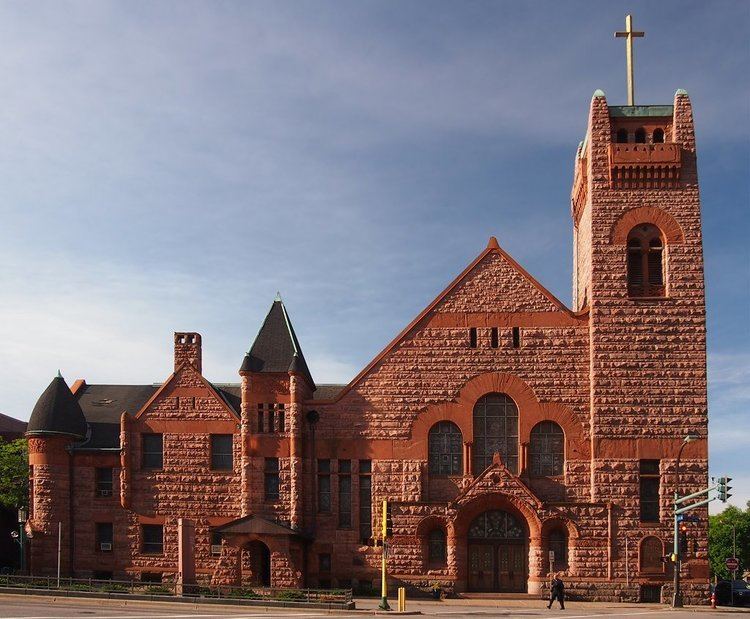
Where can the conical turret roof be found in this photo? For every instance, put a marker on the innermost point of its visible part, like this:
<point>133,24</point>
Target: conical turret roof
<point>276,348</point>
<point>57,412</point>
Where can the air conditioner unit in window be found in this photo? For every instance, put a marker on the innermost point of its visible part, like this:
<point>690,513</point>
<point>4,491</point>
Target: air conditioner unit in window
<point>105,493</point>
<point>105,547</point>
<point>215,549</point>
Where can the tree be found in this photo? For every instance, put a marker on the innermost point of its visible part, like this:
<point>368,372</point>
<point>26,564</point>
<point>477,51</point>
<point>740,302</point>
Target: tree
<point>720,540</point>
<point>14,474</point>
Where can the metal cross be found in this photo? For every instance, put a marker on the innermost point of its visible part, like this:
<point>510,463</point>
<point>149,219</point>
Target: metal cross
<point>629,34</point>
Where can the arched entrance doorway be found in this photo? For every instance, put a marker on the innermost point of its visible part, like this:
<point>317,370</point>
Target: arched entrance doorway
<point>256,564</point>
<point>498,553</point>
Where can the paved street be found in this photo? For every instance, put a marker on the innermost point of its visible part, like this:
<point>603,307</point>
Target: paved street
<point>18,607</point>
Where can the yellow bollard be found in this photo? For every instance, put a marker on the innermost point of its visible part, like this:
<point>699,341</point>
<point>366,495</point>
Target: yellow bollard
<point>401,599</point>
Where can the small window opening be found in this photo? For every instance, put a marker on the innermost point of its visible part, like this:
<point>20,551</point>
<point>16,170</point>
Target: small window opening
<point>493,337</point>
<point>640,136</point>
<point>516,337</point>
<point>622,136</point>
<point>473,337</point>
<point>658,136</point>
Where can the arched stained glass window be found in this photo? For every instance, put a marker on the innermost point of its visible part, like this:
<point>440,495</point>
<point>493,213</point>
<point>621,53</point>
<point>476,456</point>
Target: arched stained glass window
<point>645,262</point>
<point>495,525</point>
<point>445,445</point>
<point>547,449</point>
<point>436,547</point>
<point>495,431</point>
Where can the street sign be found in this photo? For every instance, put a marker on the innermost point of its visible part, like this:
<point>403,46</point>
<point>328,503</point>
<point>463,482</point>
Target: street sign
<point>732,563</point>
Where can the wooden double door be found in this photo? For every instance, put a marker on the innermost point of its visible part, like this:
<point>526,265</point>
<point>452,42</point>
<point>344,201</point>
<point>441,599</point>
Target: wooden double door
<point>498,566</point>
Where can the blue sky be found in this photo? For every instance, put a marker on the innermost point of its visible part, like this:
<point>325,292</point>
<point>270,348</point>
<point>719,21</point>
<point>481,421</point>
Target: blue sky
<point>170,166</point>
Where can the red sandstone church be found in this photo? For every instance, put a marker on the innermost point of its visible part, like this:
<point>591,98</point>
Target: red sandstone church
<point>501,424</point>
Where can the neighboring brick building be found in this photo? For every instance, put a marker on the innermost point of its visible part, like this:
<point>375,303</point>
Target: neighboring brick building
<point>500,424</point>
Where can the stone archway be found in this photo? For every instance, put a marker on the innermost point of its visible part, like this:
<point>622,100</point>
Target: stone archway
<point>256,564</point>
<point>496,545</point>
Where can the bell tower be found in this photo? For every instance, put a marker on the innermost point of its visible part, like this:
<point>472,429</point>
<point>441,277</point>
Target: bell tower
<point>638,271</point>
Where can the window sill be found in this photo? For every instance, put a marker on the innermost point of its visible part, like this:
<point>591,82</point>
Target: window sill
<point>638,298</point>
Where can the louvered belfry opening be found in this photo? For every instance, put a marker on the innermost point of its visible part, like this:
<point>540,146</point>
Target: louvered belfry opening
<point>645,259</point>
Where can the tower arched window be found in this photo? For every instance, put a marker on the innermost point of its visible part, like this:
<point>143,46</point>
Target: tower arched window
<point>445,446</point>
<point>645,262</point>
<point>495,431</point>
<point>652,550</point>
<point>546,449</point>
<point>658,136</point>
<point>437,552</point>
<point>640,135</point>
<point>622,136</point>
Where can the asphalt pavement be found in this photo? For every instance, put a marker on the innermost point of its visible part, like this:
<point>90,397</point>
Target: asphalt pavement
<point>30,607</point>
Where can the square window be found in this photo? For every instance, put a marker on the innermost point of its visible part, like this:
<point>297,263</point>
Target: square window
<point>221,452</point>
<point>152,446</point>
<point>152,536</point>
<point>104,536</point>
<point>103,481</point>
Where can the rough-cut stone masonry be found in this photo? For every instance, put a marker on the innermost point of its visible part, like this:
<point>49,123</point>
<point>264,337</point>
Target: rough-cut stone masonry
<point>623,378</point>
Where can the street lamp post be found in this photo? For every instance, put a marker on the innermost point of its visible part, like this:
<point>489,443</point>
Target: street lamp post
<point>677,594</point>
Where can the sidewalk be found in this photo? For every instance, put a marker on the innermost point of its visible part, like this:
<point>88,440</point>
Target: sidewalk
<point>427,605</point>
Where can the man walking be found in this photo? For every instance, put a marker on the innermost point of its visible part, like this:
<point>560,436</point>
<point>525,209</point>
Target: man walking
<point>557,591</point>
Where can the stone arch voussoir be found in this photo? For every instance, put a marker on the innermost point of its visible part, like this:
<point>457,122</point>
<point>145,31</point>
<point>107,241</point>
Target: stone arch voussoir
<point>647,215</point>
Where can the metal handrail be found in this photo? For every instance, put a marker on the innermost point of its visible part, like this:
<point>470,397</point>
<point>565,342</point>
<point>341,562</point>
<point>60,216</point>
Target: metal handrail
<point>166,589</point>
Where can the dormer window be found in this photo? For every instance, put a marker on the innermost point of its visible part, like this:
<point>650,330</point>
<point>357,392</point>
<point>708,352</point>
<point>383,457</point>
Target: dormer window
<point>645,262</point>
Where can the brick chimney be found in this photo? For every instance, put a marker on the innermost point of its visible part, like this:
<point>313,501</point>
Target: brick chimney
<point>187,349</point>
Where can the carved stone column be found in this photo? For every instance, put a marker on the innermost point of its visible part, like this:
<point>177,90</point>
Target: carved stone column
<point>537,569</point>
<point>245,461</point>
<point>295,451</point>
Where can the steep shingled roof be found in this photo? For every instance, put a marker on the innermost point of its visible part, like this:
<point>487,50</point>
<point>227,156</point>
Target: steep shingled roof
<point>276,348</point>
<point>57,412</point>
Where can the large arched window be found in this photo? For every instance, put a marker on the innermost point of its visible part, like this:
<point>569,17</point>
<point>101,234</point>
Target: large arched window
<point>445,446</point>
<point>658,136</point>
<point>495,431</point>
<point>547,449</point>
<point>645,262</point>
<point>640,135</point>
<point>436,547</point>
<point>622,136</point>
<point>651,554</point>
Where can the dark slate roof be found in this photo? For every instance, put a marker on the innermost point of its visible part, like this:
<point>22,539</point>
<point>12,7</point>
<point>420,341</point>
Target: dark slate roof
<point>232,395</point>
<point>328,392</point>
<point>276,345</point>
<point>11,425</point>
<point>57,412</point>
<point>102,405</point>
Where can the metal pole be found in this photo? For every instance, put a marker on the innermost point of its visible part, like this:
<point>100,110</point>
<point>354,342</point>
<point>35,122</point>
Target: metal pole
<point>383,581</point>
<point>627,563</point>
<point>677,594</point>
<point>734,572</point>
<point>59,551</point>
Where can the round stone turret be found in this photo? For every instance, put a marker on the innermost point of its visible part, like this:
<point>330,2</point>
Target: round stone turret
<point>57,412</point>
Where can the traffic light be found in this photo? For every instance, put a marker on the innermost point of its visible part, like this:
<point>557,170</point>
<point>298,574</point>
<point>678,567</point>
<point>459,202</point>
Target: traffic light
<point>724,488</point>
<point>388,520</point>
<point>683,539</point>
